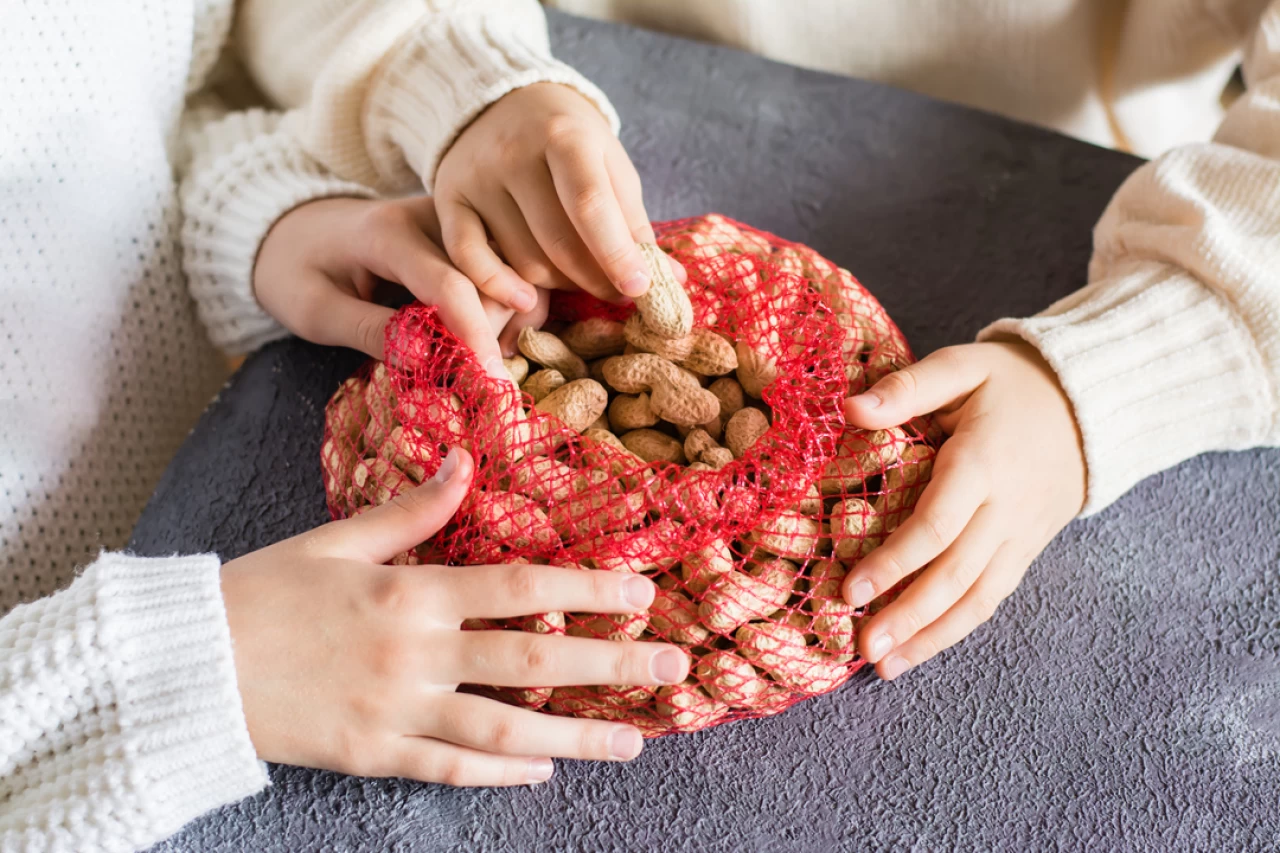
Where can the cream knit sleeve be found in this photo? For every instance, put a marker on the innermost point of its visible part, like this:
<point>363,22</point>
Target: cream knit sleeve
<point>119,715</point>
<point>383,87</point>
<point>245,170</point>
<point>1173,349</point>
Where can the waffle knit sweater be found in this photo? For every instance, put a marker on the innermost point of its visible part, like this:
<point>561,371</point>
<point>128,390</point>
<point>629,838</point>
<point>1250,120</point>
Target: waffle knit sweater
<point>119,714</point>
<point>120,718</point>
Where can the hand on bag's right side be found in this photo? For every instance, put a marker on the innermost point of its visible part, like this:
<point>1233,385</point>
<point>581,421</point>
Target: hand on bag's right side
<point>349,665</point>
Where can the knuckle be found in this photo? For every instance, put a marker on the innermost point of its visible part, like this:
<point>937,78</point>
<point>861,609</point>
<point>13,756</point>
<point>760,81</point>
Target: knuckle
<point>892,568</point>
<point>502,736</point>
<point>589,203</point>
<point>389,659</point>
<point>924,647</point>
<point>563,133</point>
<point>509,150</point>
<point>452,285</point>
<point>383,221</point>
<point>984,606</point>
<point>939,527</point>
<point>537,657</point>
<point>563,244</point>
<point>534,272</point>
<point>452,772</point>
<point>630,665</point>
<point>524,584</point>
<point>352,755</point>
<point>391,592</point>
<point>370,332</point>
<point>959,576</point>
<point>909,623</point>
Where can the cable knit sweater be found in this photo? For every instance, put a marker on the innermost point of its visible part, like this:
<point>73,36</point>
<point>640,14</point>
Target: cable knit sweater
<point>119,714</point>
<point>120,719</point>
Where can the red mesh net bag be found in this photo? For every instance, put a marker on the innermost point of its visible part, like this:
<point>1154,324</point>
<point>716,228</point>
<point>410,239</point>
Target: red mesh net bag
<point>716,463</point>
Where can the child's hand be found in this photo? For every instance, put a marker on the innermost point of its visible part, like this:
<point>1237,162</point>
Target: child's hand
<point>541,171</point>
<point>319,264</point>
<point>348,665</point>
<point>1011,476</point>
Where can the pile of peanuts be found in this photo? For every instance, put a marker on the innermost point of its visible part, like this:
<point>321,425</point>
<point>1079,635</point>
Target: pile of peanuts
<point>624,439</point>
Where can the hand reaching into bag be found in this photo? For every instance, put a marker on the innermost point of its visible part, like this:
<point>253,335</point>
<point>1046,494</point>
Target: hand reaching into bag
<point>1010,476</point>
<point>321,262</point>
<point>349,665</point>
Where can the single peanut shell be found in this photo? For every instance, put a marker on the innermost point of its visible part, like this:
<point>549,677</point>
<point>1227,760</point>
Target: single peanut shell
<point>856,527</point>
<point>860,455</point>
<point>696,442</point>
<point>578,404</point>
<point>790,534</point>
<point>600,511</point>
<point>684,404</point>
<point>727,390</point>
<point>780,650</point>
<point>737,597</point>
<point>744,428</point>
<point>653,549</point>
<point>665,306</point>
<point>757,369</point>
<point>546,349</point>
<point>710,354</point>
<point>594,337</point>
<point>542,383</point>
<point>628,412</point>
<point>730,679</point>
<point>637,373</point>
<point>653,446</point>
<point>717,457</point>
<point>674,617</point>
<point>548,480</point>
<point>643,339</point>
<point>704,566</point>
<point>510,519</point>
<point>688,707</point>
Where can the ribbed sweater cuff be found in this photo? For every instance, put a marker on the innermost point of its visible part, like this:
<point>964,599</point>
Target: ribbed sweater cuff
<point>1158,369</point>
<point>247,171</point>
<point>163,631</point>
<point>439,79</point>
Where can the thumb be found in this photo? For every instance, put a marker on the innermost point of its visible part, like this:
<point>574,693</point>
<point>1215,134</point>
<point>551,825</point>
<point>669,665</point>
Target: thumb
<point>411,517</point>
<point>941,379</point>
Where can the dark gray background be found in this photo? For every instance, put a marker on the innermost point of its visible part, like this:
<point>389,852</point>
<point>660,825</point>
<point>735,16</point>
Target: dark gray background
<point>1126,697</point>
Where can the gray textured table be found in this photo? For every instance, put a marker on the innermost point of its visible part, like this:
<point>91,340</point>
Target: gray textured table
<point>1126,697</point>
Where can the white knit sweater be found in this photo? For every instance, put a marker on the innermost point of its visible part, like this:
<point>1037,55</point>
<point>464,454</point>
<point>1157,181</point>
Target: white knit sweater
<point>119,714</point>
<point>120,719</point>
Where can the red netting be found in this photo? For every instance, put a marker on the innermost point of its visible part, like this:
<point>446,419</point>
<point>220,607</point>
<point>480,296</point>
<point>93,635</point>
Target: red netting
<point>748,542</point>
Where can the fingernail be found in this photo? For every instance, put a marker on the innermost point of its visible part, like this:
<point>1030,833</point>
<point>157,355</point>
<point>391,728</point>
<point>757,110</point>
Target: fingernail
<point>448,467</point>
<point>667,666</point>
<point>524,301</point>
<point>540,770</point>
<point>860,593</point>
<point>893,667</point>
<point>638,592</point>
<point>870,400</point>
<point>881,645</point>
<point>625,744</point>
<point>636,285</point>
<point>495,368</point>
